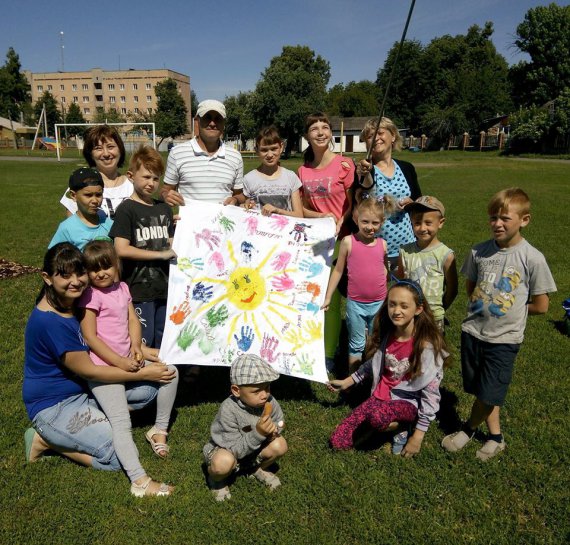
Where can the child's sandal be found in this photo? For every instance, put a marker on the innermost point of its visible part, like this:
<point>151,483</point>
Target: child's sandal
<point>158,448</point>
<point>141,490</point>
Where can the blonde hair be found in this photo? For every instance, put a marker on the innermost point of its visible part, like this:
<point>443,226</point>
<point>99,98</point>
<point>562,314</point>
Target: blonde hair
<point>502,200</point>
<point>386,124</point>
<point>383,206</point>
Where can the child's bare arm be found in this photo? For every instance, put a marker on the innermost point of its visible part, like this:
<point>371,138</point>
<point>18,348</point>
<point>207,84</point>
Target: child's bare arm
<point>400,270</point>
<point>336,274</point>
<point>296,204</point>
<point>538,304</point>
<point>126,251</point>
<point>470,287</point>
<point>450,280</point>
<point>99,347</point>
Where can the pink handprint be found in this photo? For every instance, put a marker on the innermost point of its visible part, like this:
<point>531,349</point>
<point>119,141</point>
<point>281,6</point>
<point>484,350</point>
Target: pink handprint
<point>218,260</point>
<point>268,346</point>
<point>209,237</point>
<point>251,224</point>
<point>283,282</point>
<point>280,261</point>
<point>279,221</point>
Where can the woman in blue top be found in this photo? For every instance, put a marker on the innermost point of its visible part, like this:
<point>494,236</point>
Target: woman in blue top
<point>389,176</point>
<point>64,418</point>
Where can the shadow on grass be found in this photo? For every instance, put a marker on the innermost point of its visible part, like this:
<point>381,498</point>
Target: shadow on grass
<point>562,326</point>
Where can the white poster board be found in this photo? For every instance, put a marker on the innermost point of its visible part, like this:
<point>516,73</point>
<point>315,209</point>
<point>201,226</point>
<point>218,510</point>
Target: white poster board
<point>248,283</point>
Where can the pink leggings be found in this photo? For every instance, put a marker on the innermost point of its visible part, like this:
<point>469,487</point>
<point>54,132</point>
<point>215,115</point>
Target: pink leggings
<point>377,413</point>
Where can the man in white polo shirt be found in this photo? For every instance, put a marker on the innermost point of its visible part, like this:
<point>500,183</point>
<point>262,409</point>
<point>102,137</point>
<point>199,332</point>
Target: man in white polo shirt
<point>204,168</point>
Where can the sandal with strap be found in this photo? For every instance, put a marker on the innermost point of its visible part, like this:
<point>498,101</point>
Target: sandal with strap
<point>141,490</point>
<point>157,447</point>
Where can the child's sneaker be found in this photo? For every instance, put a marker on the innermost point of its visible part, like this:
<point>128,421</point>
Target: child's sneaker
<point>220,490</point>
<point>490,449</point>
<point>399,442</point>
<point>267,478</point>
<point>455,441</point>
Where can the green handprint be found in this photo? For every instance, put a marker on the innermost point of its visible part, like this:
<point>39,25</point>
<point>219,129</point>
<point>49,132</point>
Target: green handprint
<point>313,329</point>
<point>227,224</point>
<point>217,315</point>
<point>305,365</point>
<point>206,345</point>
<point>190,332</point>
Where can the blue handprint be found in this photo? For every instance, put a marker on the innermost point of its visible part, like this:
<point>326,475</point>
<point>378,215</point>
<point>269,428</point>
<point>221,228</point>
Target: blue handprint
<point>247,337</point>
<point>309,307</point>
<point>202,292</point>
<point>312,267</point>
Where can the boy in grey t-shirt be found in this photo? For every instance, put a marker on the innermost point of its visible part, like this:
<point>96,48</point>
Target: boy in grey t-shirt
<point>507,279</point>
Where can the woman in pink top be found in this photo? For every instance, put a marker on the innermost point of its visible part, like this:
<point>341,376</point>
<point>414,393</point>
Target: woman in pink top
<point>365,257</point>
<point>326,178</point>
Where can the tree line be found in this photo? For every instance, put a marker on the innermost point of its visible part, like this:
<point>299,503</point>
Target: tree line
<point>447,87</point>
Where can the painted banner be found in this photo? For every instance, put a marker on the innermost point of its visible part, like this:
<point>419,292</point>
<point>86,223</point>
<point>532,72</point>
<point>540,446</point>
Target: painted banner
<point>248,283</point>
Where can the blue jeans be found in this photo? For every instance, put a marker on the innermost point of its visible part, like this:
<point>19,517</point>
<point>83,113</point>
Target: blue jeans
<point>152,316</point>
<point>359,317</point>
<point>77,424</point>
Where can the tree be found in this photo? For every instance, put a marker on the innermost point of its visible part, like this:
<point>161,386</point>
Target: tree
<point>53,114</point>
<point>74,115</point>
<point>545,36</point>
<point>108,116</point>
<point>239,119</point>
<point>290,88</point>
<point>193,103</point>
<point>170,115</point>
<point>14,90</point>
<point>357,99</point>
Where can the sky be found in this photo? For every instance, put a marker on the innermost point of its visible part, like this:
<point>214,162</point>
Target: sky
<point>224,46</point>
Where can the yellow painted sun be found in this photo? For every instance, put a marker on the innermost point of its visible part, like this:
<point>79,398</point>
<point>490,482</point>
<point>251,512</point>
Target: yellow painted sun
<point>246,288</point>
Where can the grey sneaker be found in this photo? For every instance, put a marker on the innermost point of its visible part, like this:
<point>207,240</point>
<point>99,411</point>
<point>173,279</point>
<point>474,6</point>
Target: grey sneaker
<point>455,441</point>
<point>220,490</point>
<point>399,442</point>
<point>267,478</point>
<point>490,449</point>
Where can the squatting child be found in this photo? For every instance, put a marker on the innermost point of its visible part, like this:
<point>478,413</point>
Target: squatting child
<point>366,259</point>
<point>89,222</point>
<point>428,261</point>
<point>507,279</point>
<point>142,232</point>
<point>246,433</point>
<point>276,190</point>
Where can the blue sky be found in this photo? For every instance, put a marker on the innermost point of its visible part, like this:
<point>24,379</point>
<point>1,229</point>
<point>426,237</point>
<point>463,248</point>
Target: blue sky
<point>225,45</point>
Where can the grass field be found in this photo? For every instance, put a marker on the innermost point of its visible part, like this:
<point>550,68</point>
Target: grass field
<point>364,496</point>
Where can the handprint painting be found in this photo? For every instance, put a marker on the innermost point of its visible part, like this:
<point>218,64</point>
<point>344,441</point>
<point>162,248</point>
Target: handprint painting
<point>247,283</point>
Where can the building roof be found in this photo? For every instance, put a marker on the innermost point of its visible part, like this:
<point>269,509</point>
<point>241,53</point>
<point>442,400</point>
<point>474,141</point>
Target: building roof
<point>5,122</point>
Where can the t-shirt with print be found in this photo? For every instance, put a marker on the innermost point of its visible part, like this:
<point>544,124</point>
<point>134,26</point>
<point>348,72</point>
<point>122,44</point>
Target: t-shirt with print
<point>46,380</point>
<point>426,267</point>
<point>505,279</point>
<point>276,192</point>
<point>148,227</point>
<point>396,366</point>
<point>324,189</point>
<point>78,233</point>
<point>397,229</point>
<point>111,306</point>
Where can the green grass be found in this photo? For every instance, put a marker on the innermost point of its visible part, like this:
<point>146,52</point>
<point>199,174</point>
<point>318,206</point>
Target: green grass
<point>331,498</point>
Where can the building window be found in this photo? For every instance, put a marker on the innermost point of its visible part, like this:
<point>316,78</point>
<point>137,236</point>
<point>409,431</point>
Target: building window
<point>148,86</point>
<point>121,86</point>
<point>113,109</point>
<point>74,87</point>
<point>86,111</point>
<point>123,110</point>
<point>85,99</point>
<point>123,99</point>
<point>135,98</point>
<point>148,98</point>
<point>111,86</point>
<point>135,86</point>
<point>149,110</point>
<point>62,87</point>
<point>112,100</point>
<point>136,110</point>
<point>40,88</point>
<point>99,98</point>
<point>50,87</point>
<point>84,86</point>
<point>63,100</point>
<point>75,100</point>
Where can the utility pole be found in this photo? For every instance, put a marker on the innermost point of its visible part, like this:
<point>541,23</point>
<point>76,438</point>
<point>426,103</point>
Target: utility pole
<point>62,48</point>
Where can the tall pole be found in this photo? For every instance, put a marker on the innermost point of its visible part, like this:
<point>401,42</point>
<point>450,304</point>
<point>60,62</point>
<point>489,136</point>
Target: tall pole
<point>62,47</point>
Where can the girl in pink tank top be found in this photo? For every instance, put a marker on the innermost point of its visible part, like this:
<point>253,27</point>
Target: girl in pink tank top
<point>365,257</point>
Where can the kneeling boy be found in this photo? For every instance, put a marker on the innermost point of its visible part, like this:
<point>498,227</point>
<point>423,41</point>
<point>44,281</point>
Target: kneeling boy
<point>245,434</point>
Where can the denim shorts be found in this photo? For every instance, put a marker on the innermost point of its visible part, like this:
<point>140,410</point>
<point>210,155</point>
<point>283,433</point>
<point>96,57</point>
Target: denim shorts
<point>359,318</point>
<point>487,368</point>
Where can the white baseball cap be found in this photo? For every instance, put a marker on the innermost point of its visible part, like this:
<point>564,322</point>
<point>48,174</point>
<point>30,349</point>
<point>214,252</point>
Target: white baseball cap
<point>211,106</point>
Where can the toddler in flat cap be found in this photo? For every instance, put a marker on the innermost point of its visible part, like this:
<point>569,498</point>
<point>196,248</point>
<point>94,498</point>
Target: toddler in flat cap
<point>246,433</point>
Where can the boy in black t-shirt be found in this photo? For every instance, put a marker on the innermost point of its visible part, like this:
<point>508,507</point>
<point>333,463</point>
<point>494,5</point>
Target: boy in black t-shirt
<point>142,232</point>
